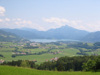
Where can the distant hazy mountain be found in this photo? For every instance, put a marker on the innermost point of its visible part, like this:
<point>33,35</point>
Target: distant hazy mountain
<point>9,37</point>
<point>23,33</point>
<point>28,29</point>
<point>65,32</point>
<point>92,37</point>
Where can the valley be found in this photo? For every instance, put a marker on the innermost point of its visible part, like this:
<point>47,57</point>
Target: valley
<point>42,52</point>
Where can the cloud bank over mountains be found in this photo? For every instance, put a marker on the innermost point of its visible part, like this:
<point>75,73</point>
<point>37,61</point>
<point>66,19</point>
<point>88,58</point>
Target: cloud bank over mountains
<point>44,24</point>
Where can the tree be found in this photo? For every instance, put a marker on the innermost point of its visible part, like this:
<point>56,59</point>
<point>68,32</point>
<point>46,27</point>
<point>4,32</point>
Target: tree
<point>1,55</point>
<point>97,44</point>
<point>16,49</point>
<point>98,64</point>
<point>90,65</point>
<point>25,63</point>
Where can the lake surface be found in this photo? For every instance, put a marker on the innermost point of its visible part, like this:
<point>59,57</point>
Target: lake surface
<point>50,40</point>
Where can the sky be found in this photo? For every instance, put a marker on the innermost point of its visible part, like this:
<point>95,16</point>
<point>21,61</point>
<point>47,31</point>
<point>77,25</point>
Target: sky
<point>47,14</point>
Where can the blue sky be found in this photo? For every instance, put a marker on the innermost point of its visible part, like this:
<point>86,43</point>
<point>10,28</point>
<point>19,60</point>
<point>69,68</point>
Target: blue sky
<point>47,14</point>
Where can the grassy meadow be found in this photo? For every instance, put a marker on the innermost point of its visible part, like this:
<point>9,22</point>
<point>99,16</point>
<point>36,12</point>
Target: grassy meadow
<point>8,70</point>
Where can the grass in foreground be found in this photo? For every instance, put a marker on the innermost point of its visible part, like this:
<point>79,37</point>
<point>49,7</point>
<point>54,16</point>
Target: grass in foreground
<point>8,70</point>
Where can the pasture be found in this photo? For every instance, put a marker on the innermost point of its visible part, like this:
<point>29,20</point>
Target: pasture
<point>8,70</point>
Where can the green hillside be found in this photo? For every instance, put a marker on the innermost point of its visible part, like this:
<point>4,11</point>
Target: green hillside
<point>9,37</point>
<point>7,70</point>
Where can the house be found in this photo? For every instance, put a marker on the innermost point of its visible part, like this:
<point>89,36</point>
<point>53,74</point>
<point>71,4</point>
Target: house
<point>34,44</point>
<point>46,60</point>
<point>54,59</point>
<point>23,53</point>
<point>1,61</point>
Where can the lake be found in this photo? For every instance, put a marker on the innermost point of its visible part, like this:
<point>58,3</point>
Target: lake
<point>50,40</point>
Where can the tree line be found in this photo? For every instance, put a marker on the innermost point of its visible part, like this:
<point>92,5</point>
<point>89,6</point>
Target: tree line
<point>76,63</point>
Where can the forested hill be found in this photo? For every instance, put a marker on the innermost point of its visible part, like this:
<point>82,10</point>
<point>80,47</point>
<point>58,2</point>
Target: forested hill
<point>92,37</point>
<point>9,37</point>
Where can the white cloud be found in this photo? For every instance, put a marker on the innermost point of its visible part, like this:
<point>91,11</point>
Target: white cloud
<point>61,21</point>
<point>1,20</point>
<point>2,11</point>
<point>17,23</point>
<point>16,19</point>
<point>21,22</point>
<point>7,19</point>
<point>49,23</point>
<point>54,22</point>
<point>58,21</point>
<point>19,19</point>
<point>74,22</point>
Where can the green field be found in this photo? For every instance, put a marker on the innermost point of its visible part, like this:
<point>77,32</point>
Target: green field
<point>6,51</point>
<point>56,50</point>
<point>8,70</point>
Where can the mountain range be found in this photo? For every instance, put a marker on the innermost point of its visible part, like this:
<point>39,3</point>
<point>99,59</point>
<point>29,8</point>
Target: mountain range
<point>64,32</point>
